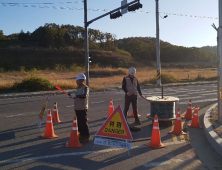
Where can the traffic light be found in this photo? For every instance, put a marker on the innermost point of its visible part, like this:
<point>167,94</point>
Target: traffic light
<point>90,58</point>
<point>115,15</point>
<point>135,7</point>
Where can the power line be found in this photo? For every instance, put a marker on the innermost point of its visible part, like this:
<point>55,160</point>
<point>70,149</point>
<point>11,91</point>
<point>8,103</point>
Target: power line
<point>40,5</point>
<point>49,3</point>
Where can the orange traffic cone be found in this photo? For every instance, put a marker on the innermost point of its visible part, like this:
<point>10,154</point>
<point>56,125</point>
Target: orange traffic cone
<point>195,120</point>
<point>49,131</point>
<point>188,115</point>
<point>111,107</point>
<point>178,127</point>
<point>155,138</point>
<point>56,114</point>
<point>74,136</point>
<point>132,114</point>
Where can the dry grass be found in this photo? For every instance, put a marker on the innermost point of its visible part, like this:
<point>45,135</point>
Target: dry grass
<point>66,79</point>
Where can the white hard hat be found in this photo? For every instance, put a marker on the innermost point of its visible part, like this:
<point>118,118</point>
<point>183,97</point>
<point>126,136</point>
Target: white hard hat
<point>81,76</point>
<point>132,71</point>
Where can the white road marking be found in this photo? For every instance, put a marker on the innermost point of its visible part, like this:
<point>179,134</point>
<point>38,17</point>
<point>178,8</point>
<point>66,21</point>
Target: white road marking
<point>208,94</point>
<point>200,101</point>
<point>70,106</point>
<point>185,98</point>
<point>97,102</point>
<point>118,99</point>
<point>177,95</point>
<point>75,154</point>
<point>154,164</point>
<point>55,156</point>
<point>198,90</point>
<point>203,92</point>
<point>173,143</point>
<point>14,115</point>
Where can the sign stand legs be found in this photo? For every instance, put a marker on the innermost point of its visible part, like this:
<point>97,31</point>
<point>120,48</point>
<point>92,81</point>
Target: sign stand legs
<point>128,149</point>
<point>93,147</point>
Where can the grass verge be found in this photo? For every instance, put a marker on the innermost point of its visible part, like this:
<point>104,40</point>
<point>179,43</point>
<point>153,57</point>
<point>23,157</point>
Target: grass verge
<point>100,78</point>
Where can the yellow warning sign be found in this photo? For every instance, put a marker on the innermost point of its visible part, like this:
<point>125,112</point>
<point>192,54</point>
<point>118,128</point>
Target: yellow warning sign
<point>115,126</point>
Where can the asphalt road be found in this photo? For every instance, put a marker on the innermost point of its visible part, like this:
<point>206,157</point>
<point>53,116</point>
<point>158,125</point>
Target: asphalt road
<point>21,146</point>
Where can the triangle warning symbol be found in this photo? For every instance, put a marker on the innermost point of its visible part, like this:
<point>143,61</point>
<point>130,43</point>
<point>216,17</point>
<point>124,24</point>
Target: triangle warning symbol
<point>115,126</point>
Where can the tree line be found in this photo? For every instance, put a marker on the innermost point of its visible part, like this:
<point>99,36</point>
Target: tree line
<point>69,37</point>
<point>52,35</point>
<point>144,49</point>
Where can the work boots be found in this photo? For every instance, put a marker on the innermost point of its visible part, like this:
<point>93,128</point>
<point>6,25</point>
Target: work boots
<point>84,139</point>
<point>137,121</point>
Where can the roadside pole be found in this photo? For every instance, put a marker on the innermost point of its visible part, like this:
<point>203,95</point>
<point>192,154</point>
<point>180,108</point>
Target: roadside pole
<point>219,51</point>
<point>158,66</point>
<point>113,15</point>
<point>86,43</point>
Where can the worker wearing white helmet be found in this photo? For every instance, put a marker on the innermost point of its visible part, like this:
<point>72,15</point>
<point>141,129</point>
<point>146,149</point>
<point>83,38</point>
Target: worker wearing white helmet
<point>80,106</point>
<point>130,86</point>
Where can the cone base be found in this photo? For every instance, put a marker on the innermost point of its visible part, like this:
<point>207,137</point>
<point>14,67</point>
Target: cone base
<point>177,134</point>
<point>156,146</point>
<point>57,121</point>
<point>73,146</point>
<point>49,137</point>
<point>199,127</point>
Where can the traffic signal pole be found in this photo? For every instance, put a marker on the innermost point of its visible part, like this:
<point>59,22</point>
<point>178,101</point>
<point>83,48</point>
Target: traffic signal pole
<point>87,23</point>
<point>86,43</point>
<point>108,13</point>
<point>158,66</point>
<point>219,54</point>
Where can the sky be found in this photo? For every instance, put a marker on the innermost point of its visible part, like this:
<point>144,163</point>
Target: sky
<point>177,30</point>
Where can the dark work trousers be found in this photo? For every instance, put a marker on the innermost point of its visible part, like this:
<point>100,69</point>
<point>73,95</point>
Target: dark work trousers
<point>131,99</point>
<point>82,122</point>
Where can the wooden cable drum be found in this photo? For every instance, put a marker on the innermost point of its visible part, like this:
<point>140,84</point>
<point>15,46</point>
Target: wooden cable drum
<point>164,107</point>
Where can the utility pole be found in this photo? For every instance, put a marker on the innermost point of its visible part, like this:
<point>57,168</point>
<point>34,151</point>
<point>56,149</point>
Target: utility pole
<point>158,66</point>
<point>86,43</point>
<point>219,54</point>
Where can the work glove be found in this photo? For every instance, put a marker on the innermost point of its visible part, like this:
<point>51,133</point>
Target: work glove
<point>143,96</point>
<point>129,94</point>
<point>72,95</point>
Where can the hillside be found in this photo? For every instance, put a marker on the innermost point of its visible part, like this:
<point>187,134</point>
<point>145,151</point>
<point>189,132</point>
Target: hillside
<point>27,58</point>
<point>61,47</point>
<point>209,48</point>
<point>143,49</point>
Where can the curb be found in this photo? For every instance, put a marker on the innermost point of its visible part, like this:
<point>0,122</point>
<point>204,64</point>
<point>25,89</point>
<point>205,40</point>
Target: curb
<point>212,137</point>
<point>50,93</point>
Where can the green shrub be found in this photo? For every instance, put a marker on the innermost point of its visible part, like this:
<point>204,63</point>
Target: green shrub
<point>75,67</point>
<point>60,67</point>
<point>33,83</point>
<point>122,52</point>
